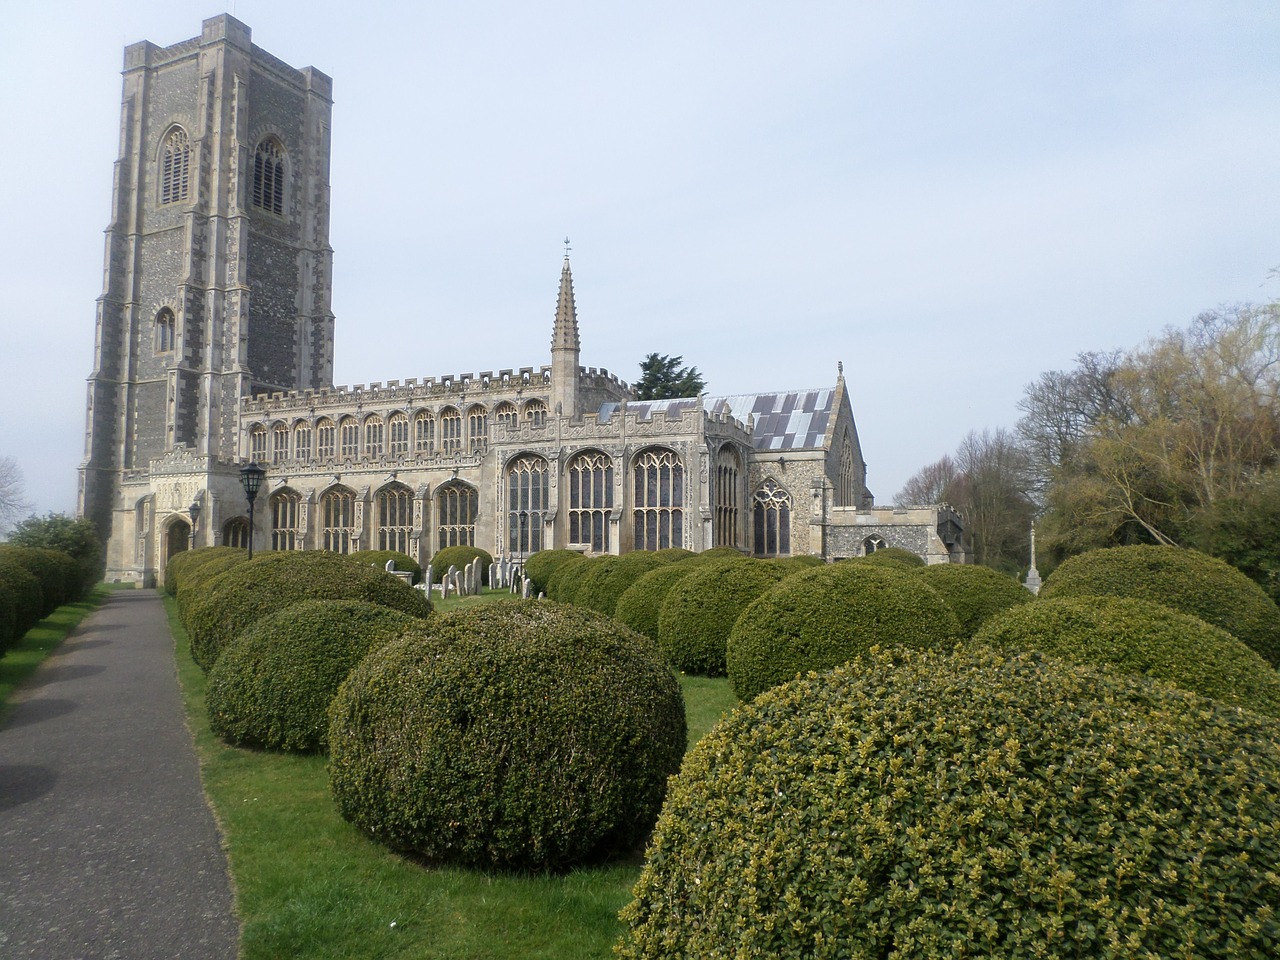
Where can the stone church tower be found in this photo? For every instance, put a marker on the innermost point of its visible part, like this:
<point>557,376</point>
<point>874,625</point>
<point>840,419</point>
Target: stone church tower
<point>216,282</point>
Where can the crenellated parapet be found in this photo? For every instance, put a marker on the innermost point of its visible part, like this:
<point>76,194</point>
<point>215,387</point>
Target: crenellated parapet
<point>394,393</point>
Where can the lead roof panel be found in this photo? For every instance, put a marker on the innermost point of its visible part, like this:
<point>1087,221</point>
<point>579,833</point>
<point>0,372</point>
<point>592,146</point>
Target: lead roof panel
<point>786,420</point>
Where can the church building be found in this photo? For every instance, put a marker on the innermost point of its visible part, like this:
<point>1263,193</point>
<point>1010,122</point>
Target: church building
<point>214,348</point>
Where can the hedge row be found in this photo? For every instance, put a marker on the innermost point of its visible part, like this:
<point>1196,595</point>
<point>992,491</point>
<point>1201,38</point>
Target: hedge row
<point>33,583</point>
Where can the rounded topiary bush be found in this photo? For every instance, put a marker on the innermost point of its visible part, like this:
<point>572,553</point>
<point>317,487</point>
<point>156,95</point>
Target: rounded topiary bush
<point>244,594</point>
<point>567,578</point>
<point>403,562</point>
<point>194,577</point>
<point>966,804</point>
<point>609,579</point>
<point>509,735</point>
<point>817,619</point>
<point>674,553</point>
<point>459,557</point>
<point>1185,580</point>
<point>273,684</point>
<point>799,562</point>
<point>188,561</point>
<point>641,603</point>
<point>896,556</point>
<point>700,610</point>
<point>1138,636</point>
<point>974,593</point>
<point>542,564</point>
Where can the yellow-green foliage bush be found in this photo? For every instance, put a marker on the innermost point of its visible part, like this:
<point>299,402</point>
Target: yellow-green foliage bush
<point>1138,636</point>
<point>236,599</point>
<point>605,582</point>
<point>459,557</point>
<point>1185,580</point>
<point>509,735</point>
<point>542,564</point>
<point>700,610</point>
<point>403,562</point>
<point>933,805</point>
<point>974,593</point>
<point>641,603</point>
<point>273,684</point>
<point>817,619</point>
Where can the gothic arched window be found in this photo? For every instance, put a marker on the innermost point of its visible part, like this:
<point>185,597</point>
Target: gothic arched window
<point>268,177</point>
<point>451,430</point>
<point>772,521</point>
<point>456,507</point>
<point>348,438</point>
<point>846,495</point>
<point>279,443</point>
<point>398,435</point>
<point>337,520</point>
<point>326,439</point>
<point>165,331</point>
<point>526,504</point>
<point>424,432</point>
<point>728,472</point>
<point>175,164</point>
<point>873,543</point>
<point>258,443</point>
<point>505,415</point>
<point>373,437</point>
<point>285,510</point>
<point>590,499</point>
<point>659,500</point>
<point>302,440</point>
<point>478,428</point>
<point>395,517</point>
<point>235,533</point>
<point>535,413</point>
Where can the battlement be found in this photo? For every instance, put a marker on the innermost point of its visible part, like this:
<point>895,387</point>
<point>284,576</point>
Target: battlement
<point>602,375</point>
<point>429,389</point>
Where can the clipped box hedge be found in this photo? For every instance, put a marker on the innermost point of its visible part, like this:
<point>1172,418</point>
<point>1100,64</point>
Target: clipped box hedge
<point>1185,580</point>
<point>819,618</point>
<point>567,578</point>
<point>894,556</point>
<point>641,603</point>
<point>237,598</point>
<point>539,567</point>
<point>22,587</point>
<point>974,593</point>
<point>58,573</point>
<point>1138,636</point>
<point>510,735</point>
<point>700,610</point>
<point>188,561</point>
<point>273,684</point>
<point>459,556</point>
<point>932,805</point>
<point>607,581</point>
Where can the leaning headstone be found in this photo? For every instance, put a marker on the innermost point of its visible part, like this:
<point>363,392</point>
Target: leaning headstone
<point>526,588</point>
<point>391,566</point>
<point>495,575</point>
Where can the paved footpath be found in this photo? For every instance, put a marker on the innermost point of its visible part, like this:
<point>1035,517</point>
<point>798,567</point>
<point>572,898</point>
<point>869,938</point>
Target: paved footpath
<point>107,845</point>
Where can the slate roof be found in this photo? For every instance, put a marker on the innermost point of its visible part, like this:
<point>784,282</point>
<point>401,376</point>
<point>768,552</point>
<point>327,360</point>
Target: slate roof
<point>787,420</point>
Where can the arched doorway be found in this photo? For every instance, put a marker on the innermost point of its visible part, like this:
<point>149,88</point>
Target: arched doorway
<point>176,540</point>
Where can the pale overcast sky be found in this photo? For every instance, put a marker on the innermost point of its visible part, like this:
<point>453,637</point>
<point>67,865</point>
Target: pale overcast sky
<point>949,198</point>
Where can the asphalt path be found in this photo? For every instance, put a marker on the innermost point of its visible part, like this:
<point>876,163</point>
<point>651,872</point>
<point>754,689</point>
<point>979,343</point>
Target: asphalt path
<point>108,848</point>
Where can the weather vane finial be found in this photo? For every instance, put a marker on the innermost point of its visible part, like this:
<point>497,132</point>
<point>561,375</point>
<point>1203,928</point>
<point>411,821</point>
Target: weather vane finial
<point>567,248</point>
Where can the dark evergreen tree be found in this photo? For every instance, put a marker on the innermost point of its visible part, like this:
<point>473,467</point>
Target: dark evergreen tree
<point>662,377</point>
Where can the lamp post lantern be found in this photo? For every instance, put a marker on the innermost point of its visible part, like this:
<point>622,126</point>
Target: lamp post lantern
<point>194,510</point>
<point>251,475</point>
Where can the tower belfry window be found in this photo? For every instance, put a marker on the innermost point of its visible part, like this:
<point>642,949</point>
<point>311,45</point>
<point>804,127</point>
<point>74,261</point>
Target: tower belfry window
<point>175,164</point>
<point>268,177</point>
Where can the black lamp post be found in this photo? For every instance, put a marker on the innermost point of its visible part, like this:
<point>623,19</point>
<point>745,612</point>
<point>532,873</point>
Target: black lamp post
<point>251,475</point>
<point>194,510</point>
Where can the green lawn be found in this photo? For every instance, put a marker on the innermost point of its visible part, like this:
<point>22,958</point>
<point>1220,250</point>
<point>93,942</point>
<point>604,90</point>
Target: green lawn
<point>308,885</point>
<point>21,660</point>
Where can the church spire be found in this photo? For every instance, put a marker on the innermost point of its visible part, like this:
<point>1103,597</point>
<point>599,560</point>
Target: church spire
<point>565,347</point>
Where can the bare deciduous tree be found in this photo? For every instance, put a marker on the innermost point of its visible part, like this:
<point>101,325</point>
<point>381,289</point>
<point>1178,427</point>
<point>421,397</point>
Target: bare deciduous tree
<point>13,501</point>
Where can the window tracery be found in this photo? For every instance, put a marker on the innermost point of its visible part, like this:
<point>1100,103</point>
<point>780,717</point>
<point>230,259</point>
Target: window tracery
<point>846,494</point>
<point>338,520</point>
<point>279,443</point>
<point>424,432</point>
<point>590,499</point>
<point>165,331</point>
<point>326,439</point>
<point>456,507</point>
<point>505,415</point>
<point>235,533</point>
<point>395,517</point>
<point>398,435</point>
<point>727,483</point>
<point>659,500</point>
<point>451,430</point>
<point>772,521</point>
<point>258,443</point>
<point>527,495</point>
<point>302,440</point>
<point>175,164</point>
<point>268,177</point>
<point>478,428</point>
<point>285,509</point>
<point>535,413</point>
<point>373,437</point>
<point>348,439</point>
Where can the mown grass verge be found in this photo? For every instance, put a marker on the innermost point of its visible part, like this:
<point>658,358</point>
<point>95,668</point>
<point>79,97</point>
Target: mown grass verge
<point>21,660</point>
<point>310,886</point>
